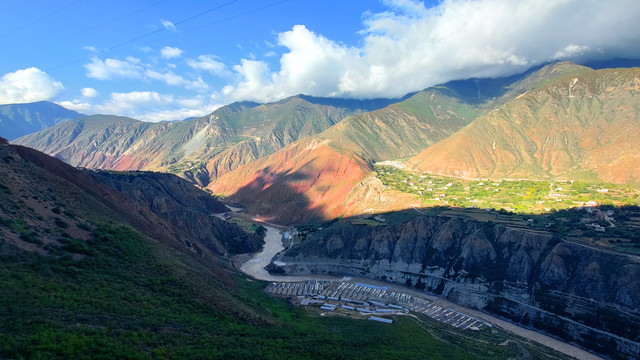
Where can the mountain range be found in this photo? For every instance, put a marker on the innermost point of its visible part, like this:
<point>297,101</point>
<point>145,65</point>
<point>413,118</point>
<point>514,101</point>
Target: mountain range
<point>426,120</point>
<point>133,265</point>
<point>17,120</point>
<point>312,163</point>
<point>559,121</point>
<point>585,126</point>
<point>200,149</point>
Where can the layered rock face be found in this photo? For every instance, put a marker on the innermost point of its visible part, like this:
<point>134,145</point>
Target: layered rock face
<point>581,294</point>
<point>184,206</point>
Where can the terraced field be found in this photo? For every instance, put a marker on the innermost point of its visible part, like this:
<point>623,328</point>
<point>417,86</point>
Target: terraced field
<point>515,195</point>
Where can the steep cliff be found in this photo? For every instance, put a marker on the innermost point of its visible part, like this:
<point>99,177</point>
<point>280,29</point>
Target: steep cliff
<point>183,206</point>
<point>581,294</point>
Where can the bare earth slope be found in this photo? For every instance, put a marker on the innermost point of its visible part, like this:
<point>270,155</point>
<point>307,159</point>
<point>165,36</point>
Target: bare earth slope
<point>397,131</point>
<point>581,126</point>
<point>312,178</point>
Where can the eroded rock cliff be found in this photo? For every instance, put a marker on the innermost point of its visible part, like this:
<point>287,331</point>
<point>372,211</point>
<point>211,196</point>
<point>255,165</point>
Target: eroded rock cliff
<point>582,294</point>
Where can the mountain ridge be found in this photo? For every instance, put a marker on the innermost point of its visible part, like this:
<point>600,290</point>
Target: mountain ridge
<point>400,130</point>
<point>567,129</point>
<point>199,149</point>
<point>17,120</point>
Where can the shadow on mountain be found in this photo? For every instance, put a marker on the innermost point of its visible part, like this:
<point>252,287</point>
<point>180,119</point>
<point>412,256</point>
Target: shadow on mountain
<point>554,272</point>
<point>362,105</point>
<point>162,206</point>
<point>476,91</point>
<point>278,197</point>
<point>185,207</point>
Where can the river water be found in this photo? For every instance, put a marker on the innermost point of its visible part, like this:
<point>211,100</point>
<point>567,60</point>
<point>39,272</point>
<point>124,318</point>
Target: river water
<point>255,266</point>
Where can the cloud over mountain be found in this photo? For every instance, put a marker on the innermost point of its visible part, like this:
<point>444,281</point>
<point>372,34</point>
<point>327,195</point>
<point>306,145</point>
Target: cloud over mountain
<point>146,105</point>
<point>28,85</point>
<point>406,47</point>
<point>410,47</point>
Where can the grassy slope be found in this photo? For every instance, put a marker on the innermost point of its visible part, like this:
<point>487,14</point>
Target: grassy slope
<point>402,129</point>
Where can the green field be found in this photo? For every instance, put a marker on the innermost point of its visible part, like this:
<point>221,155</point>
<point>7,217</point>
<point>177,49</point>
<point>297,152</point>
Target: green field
<point>519,196</point>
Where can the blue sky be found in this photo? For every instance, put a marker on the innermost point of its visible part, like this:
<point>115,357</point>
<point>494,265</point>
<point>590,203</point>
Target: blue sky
<point>170,59</point>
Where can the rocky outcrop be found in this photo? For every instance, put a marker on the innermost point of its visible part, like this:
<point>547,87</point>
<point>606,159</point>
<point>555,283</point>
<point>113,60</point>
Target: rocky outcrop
<point>185,207</point>
<point>578,293</point>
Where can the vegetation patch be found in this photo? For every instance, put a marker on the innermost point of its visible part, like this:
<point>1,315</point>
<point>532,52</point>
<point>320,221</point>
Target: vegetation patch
<point>519,196</point>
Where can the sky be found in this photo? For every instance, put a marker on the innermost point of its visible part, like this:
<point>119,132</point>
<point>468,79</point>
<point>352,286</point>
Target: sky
<point>157,60</point>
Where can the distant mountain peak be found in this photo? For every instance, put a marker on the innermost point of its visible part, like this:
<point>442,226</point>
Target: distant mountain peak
<point>17,120</point>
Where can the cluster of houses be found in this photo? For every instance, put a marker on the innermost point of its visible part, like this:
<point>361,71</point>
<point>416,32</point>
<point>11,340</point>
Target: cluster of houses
<point>606,215</point>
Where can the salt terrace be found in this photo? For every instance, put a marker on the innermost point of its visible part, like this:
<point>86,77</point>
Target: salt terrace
<point>376,302</point>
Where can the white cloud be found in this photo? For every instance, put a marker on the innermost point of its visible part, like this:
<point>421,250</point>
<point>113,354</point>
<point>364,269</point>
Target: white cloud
<point>131,100</point>
<point>173,79</point>
<point>168,25</point>
<point>28,85</point>
<point>114,69</point>
<point>571,50</point>
<point>410,47</point>
<point>408,7</point>
<point>89,92</point>
<point>198,85</point>
<point>133,68</point>
<point>78,105</point>
<point>146,106</point>
<point>133,60</point>
<point>255,84</point>
<point>90,49</point>
<point>169,52</point>
<point>208,63</point>
<point>168,78</point>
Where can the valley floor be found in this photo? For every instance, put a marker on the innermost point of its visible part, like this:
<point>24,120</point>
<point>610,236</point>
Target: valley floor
<point>254,267</point>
